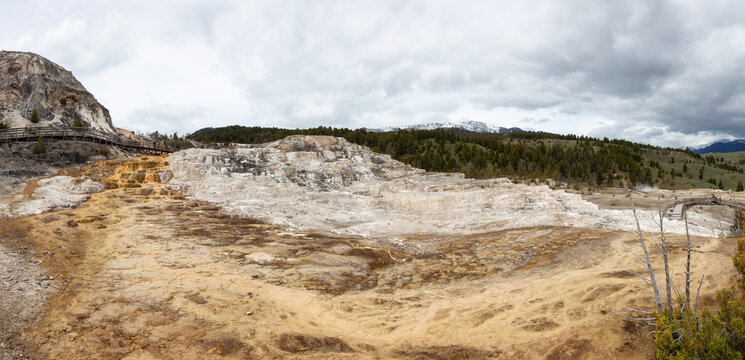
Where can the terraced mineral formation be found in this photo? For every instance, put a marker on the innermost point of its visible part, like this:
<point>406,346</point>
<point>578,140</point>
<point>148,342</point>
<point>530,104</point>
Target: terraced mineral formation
<point>320,183</point>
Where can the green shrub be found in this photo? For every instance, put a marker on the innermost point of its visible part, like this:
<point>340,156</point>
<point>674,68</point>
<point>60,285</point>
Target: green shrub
<point>105,151</point>
<point>3,125</point>
<point>34,116</point>
<point>78,123</point>
<point>63,102</point>
<point>39,147</point>
<point>705,335</point>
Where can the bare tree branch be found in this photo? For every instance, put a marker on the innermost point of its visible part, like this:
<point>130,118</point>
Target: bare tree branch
<point>676,290</point>
<point>638,258</point>
<point>636,274</point>
<point>652,280</point>
<point>688,259</point>
<point>628,317</point>
<point>651,216</point>
<point>701,282</point>
<point>637,310</point>
<point>650,270</point>
<point>668,279</point>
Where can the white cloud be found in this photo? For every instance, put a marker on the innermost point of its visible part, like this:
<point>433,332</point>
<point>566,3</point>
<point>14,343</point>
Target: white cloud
<point>669,70</point>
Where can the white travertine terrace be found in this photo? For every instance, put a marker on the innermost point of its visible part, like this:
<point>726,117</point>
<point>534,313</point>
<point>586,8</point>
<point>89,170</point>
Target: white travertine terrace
<point>57,192</point>
<point>319,183</point>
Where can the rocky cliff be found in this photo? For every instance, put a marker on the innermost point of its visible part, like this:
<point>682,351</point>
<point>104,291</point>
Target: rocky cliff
<point>29,81</point>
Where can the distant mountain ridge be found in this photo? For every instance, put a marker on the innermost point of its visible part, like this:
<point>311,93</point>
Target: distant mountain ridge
<point>468,125</point>
<point>721,146</point>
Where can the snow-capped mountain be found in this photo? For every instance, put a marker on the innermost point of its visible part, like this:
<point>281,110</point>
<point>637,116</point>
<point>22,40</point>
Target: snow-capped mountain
<point>721,146</point>
<point>468,125</point>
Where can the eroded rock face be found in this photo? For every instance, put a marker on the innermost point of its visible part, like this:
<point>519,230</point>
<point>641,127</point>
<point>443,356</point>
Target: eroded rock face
<point>29,81</point>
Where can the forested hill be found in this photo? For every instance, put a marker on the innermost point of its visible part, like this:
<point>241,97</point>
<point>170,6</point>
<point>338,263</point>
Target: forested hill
<point>568,158</point>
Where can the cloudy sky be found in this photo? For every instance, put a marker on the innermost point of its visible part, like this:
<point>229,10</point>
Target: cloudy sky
<point>662,72</point>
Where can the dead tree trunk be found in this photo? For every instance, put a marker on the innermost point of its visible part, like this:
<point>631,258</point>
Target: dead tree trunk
<point>663,247</point>
<point>688,264</point>
<point>652,281</point>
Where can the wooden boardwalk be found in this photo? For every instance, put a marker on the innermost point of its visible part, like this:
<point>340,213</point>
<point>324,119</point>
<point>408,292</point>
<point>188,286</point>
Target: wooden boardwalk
<point>82,134</point>
<point>677,209</point>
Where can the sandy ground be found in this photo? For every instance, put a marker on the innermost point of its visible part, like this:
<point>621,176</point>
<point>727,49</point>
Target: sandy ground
<point>141,273</point>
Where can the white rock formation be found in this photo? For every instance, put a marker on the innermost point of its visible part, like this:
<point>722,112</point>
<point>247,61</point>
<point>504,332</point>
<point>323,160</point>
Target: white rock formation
<point>315,162</point>
<point>57,192</point>
<point>318,183</point>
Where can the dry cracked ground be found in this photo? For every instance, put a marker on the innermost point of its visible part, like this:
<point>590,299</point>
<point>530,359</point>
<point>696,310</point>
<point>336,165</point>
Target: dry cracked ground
<point>141,272</point>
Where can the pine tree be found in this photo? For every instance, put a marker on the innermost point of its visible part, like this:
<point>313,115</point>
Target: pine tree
<point>740,186</point>
<point>34,116</point>
<point>39,147</point>
<point>685,168</point>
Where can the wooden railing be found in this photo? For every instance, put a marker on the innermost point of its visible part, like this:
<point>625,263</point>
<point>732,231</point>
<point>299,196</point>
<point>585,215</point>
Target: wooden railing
<point>686,203</point>
<point>83,134</point>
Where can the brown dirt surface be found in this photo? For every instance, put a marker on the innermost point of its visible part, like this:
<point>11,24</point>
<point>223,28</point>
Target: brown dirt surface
<point>145,273</point>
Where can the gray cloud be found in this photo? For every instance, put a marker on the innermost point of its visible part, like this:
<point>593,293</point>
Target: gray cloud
<point>663,72</point>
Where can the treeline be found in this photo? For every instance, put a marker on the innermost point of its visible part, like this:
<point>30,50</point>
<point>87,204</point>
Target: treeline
<point>568,158</point>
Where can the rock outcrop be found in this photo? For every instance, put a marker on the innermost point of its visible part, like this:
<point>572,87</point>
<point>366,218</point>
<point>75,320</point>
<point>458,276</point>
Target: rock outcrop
<point>29,81</point>
<point>315,162</point>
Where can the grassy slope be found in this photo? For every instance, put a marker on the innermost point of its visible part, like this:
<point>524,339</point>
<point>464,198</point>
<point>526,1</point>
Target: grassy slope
<point>690,179</point>
<point>735,157</point>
